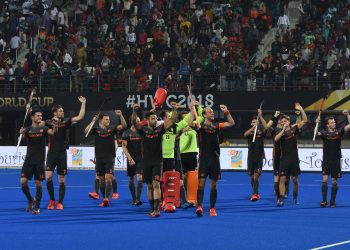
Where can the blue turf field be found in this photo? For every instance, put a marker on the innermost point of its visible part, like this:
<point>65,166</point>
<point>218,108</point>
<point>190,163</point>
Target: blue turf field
<point>241,224</point>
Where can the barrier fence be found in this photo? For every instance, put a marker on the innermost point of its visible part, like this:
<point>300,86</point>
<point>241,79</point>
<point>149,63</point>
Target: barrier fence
<point>82,81</point>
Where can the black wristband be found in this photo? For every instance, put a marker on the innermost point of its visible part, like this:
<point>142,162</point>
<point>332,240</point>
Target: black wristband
<point>275,119</point>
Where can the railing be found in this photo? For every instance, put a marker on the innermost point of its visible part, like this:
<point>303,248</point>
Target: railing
<point>281,81</point>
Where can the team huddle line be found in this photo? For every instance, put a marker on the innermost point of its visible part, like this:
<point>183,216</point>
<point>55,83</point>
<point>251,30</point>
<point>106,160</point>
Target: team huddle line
<point>163,154</point>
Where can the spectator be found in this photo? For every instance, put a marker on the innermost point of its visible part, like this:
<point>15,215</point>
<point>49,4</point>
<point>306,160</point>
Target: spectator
<point>153,37</point>
<point>15,44</point>
<point>283,23</point>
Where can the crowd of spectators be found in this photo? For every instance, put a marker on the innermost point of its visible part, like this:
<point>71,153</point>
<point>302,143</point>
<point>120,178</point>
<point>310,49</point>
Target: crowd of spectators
<point>132,44</point>
<point>314,54</point>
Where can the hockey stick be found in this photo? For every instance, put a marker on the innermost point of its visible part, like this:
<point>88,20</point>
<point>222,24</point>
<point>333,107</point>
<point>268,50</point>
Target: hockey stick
<point>257,122</point>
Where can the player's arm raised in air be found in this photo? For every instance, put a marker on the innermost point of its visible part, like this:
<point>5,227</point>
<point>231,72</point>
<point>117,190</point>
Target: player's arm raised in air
<point>262,120</point>
<point>192,118</point>
<point>122,124</point>
<point>273,122</point>
<point>81,114</point>
<point>88,127</point>
<point>347,127</point>
<point>318,120</point>
<point>230,122</point>
<point>172,120</point>
<point>134,117</point>
<point>303,121</point>
<point>183,124</point>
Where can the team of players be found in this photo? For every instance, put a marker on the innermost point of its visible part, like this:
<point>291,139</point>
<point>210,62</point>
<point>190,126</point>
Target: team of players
<point>153,146</point>
<point>285,153</point>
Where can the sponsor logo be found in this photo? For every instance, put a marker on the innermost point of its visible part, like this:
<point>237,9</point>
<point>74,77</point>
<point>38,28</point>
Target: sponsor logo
<point>236,158</point>
<point>77,156</point>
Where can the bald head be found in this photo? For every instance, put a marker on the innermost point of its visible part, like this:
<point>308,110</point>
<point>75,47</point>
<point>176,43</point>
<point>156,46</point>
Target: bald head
<point>208,113</point>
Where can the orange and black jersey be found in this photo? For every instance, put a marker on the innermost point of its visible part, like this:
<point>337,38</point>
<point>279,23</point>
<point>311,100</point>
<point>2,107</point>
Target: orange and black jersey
<point>104,142</point>
<point>256,149</point>
<point>59,142</point>
<point>209,140</point>
<point>134,144</point>
<point>289,144</point>
<point>152,143</point>
<point>36,142</point>
<point>332,144</point>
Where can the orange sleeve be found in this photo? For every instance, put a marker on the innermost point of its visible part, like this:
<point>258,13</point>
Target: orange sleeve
<point>221,125</point>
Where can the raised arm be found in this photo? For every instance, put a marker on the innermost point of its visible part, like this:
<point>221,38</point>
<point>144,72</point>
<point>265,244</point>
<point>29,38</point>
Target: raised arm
<point>122,124</point>
<point>81,114</point>
<point>273,122</point>
<point>263,122</point>
<point>134,116</point>
<point>303,115</point>
<point>171,121</point>
<point>347,127</point>
<point>88,127</point>
<point>184,122</point>
<point>230,122</point>
<point>191,118</point>
<point>318,120</point>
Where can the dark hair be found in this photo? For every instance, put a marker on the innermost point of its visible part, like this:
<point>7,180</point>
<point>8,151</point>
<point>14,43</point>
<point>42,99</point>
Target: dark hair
<point>163,114</point>
<point>329,118</point>
<point>55,108</point>
<point>281,115</point>
<point>150,113</point>
<point>254,117</point>
<point>34,111</point>
<point>100,117</point>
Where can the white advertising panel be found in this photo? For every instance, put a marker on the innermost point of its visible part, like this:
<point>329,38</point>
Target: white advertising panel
<point>230,158</point>
<point>310,159</point>
<point>77,158</point>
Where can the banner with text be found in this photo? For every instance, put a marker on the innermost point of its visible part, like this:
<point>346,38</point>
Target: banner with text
<point>230,158</point>
<point>310,159</point>
<point>235,100</point>
<point>77,158</point>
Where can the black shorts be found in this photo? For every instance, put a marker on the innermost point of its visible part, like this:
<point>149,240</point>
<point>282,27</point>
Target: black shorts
<point>104,166</point>
<point>255,166</point>
<point>178,167</point>
<point>132,170</point>
<point>332,168</point>
<point>170,164</point>
<point>189,162</point>
<point>210,167</point>
<point>152,171</point>
<point>289,167</point>
<point>276,165</point>
<point>59,160</point>
<point>36,169</point>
